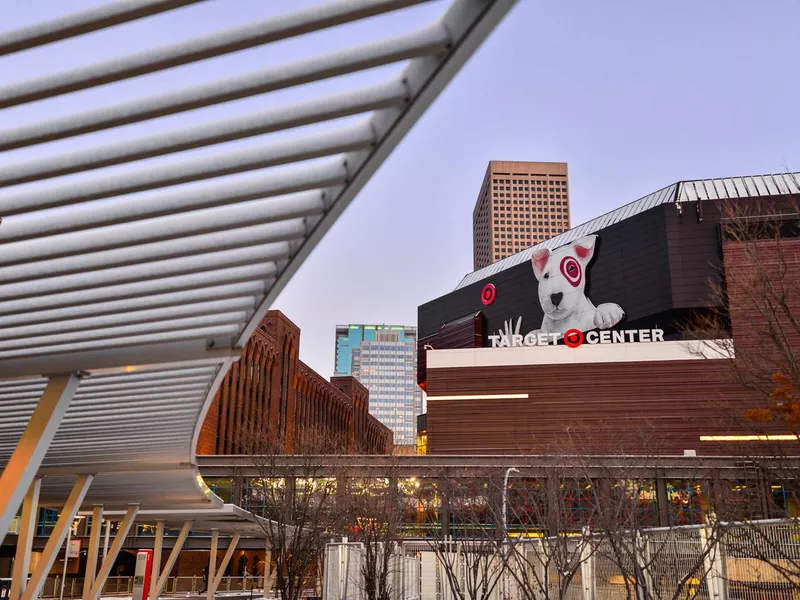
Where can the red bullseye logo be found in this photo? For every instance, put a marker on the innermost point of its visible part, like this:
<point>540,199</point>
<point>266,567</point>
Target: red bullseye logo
<point>571,270</point>
<point>488,294</point>
<point>573,338</point>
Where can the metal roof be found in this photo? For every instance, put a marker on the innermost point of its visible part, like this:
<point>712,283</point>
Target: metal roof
<point>141,253</point>
<point>683,191</point>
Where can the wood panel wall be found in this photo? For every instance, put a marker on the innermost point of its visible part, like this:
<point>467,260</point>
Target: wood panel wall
<point>634,408</point>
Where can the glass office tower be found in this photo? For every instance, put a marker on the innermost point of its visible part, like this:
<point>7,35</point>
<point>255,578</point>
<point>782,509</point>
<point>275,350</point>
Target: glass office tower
<point>384,359</point>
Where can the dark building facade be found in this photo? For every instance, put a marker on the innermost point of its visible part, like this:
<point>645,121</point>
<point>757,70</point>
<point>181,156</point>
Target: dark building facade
<point>629,284</point>
<point>270,388</point>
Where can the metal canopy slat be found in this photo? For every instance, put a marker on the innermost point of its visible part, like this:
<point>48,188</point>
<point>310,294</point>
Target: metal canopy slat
<point>137,304</point>
<point>335,106</point>
<point>428,41</point>
<point>131,318</point>
<point>102,380</point>
<point>187,171</point>
<point>195,263</point>
<point>87,216</point>
<point>273,219</point>
<point>124,262</point>
<point>150,338</point>
<point>255,34</point>
<point>107,15</point>
<point>144,288</point>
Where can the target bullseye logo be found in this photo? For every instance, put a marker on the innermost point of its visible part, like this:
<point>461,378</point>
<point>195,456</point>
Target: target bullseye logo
<point>573,338</point>
<point>488,294</point>
<point>571,270</point>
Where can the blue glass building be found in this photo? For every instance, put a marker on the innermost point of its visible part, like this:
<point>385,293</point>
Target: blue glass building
<point>384,359</point>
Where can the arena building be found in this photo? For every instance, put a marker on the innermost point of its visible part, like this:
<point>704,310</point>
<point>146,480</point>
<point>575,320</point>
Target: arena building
<point>584,343</point>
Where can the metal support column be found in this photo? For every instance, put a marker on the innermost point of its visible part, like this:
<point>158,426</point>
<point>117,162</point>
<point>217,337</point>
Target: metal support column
<point>212,563</point>
<point>444,513</point>
<point>173,557</point>
<point>662,500</point>
<point>269,574</point>
<point>94,550</point>
<point>21,469</point>
<point>113,552</point>
<point>714,563</point>
<point>27,531</point>
<point>212,588</point>
<point>588,566</point>
<point>106,539</point>
<point>57,538</point>
<point>155,571</point>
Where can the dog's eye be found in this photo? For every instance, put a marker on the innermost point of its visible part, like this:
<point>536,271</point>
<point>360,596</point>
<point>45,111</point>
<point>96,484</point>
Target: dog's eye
<point>571,268</point>
<point>547,276</point>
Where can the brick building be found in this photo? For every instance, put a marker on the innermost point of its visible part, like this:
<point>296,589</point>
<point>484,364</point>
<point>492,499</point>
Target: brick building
<point>270,388</point>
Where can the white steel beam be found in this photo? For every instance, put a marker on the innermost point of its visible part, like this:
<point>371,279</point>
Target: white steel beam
<point>326,108</point>
<point>155,569</point>
<point>57,537</point>
<point>207,167</point>
<point>193,263</point>
<point>333,172</point>
<point>217,44</point>
<point>181,282</point>
<point>111,333</point>
<point>199,333</point>
<point>175,354</point>
<point>108,561</point>
<point>173,249</point>
<point>27,531</point>
<point>427,41</point>
<point>468,22</point>
<point>105,15</point>
<point>214,585</point>
<point>17,477</point>
<point>212,563</point>
<point>178,298</point>
<point>173,557</point>
<point>270,220</point>
<point>94,550</point>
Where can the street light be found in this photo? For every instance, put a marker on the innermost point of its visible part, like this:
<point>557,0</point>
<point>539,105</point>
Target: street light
<point>509,470</point>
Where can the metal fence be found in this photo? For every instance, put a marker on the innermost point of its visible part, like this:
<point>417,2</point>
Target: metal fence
<point>123,586</point>
<point>757,560</point>
<point>344,578</point>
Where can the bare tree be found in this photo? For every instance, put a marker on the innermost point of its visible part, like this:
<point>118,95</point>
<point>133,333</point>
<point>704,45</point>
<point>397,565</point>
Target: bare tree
<point>757,298</point>
<point>376,514</point>
<point>463,534</point>
<point>301,510</point>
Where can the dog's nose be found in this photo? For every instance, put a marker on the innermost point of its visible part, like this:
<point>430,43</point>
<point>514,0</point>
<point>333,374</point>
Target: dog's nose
<point>556,298</point>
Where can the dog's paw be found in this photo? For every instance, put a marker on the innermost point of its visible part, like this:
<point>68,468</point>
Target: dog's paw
<point>607,315</point>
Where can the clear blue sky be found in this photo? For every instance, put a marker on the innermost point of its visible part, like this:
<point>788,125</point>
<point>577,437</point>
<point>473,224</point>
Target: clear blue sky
<point>633,95</point>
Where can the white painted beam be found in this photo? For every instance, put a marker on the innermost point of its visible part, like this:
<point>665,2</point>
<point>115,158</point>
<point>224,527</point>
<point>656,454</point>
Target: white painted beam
<point>27,531</point>
<point>21,469</point>
<point>57,537</point>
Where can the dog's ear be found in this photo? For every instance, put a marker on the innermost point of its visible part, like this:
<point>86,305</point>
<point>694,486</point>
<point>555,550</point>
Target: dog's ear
<point>584,248</point>
<point>539,261</point>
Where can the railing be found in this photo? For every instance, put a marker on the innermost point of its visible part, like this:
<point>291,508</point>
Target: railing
<point>715,561</point>
<point>123,586</point>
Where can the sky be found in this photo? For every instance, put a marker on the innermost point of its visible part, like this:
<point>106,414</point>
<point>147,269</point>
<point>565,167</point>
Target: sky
<point>633,95</point>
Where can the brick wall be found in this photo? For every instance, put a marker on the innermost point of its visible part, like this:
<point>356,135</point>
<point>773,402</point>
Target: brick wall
<point>273,391</point>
